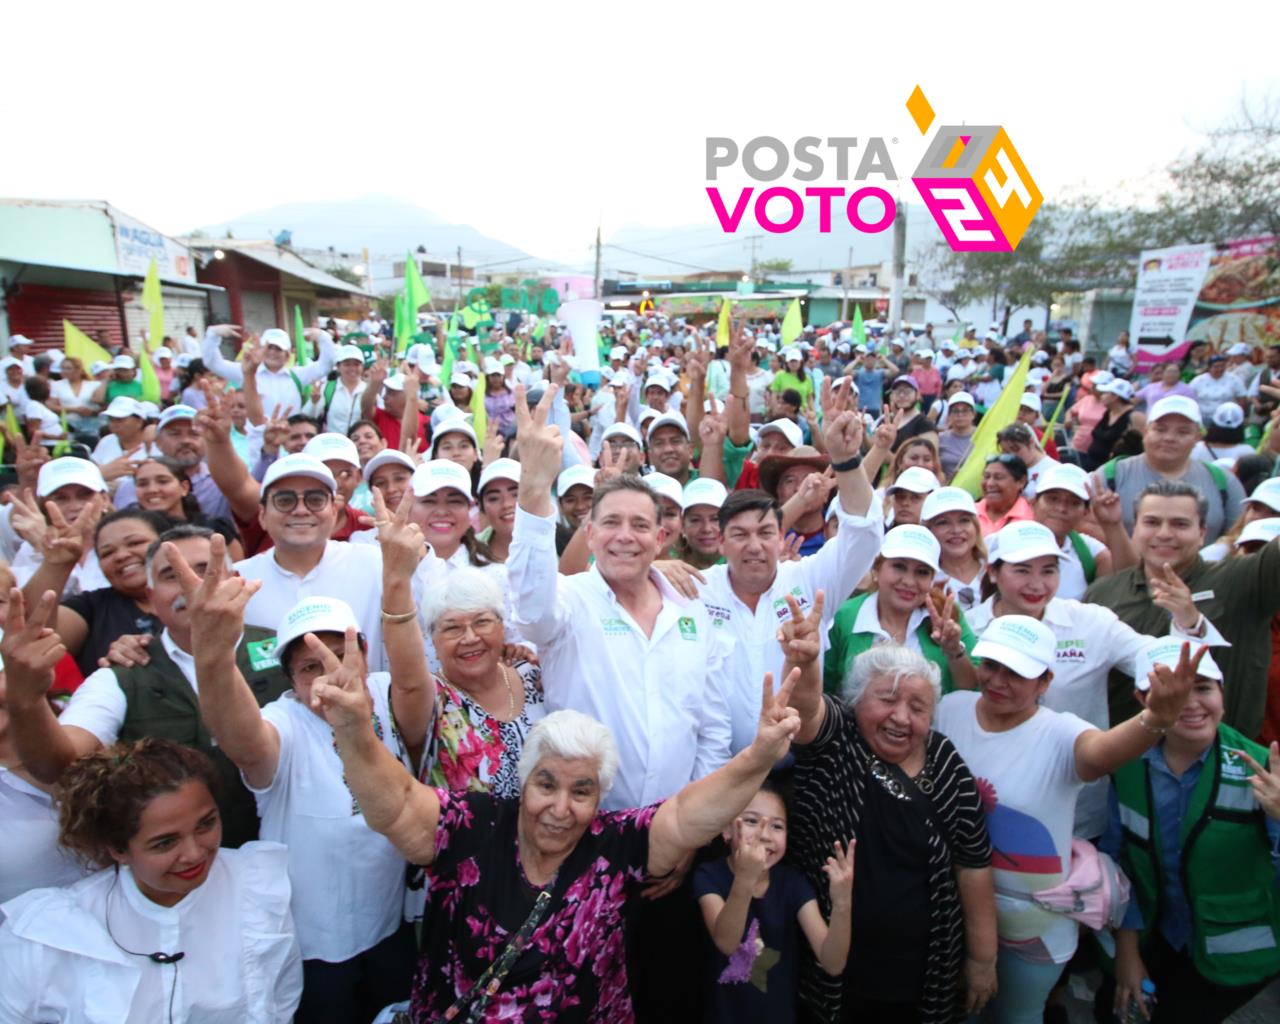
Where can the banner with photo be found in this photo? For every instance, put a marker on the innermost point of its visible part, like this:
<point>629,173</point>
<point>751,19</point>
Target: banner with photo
<point>1220,294</point>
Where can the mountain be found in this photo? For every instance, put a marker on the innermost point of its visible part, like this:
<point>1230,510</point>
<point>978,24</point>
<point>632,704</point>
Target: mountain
<point>383,224</point>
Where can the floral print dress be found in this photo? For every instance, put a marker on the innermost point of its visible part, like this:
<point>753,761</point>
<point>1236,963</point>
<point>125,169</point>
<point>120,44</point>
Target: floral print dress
<point>575,967</point>
<point>469,749</point>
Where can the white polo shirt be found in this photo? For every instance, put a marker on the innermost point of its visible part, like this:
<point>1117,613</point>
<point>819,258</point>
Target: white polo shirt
<point>283,387</point>
<point>349,572</point>
<point>753,635</point>
<point>348,880</point>
<point>663,696</point>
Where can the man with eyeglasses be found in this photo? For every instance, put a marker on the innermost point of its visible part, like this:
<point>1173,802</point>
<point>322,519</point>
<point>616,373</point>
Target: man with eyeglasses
<point>298,513</point>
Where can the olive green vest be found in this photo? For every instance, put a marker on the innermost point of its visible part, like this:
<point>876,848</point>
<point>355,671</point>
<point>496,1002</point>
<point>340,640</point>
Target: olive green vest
<point>160,702</point>
<point>1227,873</point>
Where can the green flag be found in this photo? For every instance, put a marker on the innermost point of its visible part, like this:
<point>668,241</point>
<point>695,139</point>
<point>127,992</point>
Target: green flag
<point>446,360</point>
<point>1003,412</point>
<point>859,331</point>
<point>792,325</point>
<point>301,347</point>
<point>416,295</point>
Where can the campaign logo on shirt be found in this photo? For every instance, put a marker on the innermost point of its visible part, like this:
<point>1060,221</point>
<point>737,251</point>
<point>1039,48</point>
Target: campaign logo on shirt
<point>688,628</point>
<point>1071,650</point>
<point>614,627</point>
<point>720,617</point>
<point>780,608</point>
<point>1232,765</point>
<point>262,654</point>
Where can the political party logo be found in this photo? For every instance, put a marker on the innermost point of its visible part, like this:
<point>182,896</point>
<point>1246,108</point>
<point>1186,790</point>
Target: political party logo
<point>974,183</point>
<point>688,628</point>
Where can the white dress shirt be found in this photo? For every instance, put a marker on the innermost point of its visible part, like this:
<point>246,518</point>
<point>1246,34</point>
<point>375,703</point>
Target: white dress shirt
<point>276,387</point>
<point>348,881</point>
<point>30,857</point>
<point>63,952</point>
<point>344,410</point>
<point>1092,640</point>
<point>753,635</point>
<point>663,696</point>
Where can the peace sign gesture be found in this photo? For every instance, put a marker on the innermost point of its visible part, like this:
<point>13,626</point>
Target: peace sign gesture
<point>1169,592</point>
<point>801,636</point>
<point>341,694</point>
<point>943,627</point>
<point>1170,687</point>
<point>216,601</point>
<point>779,722</point>
<point>30,649</point>
<point>403,543</point>
<point>1266,781</point>
<point>540,442</point>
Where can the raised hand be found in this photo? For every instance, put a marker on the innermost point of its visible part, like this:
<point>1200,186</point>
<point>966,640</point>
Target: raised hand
<point>801,636</point>
<point>943,627</point>
<point>1106,506</point>
<point>843,435</point>
<point>815,490</point>
<point>403,543</point>
<point>251,355</point>
<point>226,330</point>
<point>341,694</point>
<point>28,520</point>
<point>120,466</point>
<point>216,601</point>
<point>213,422</point>
<point>30,649</point>
<point>712,430</point>
<point>886,432</point>
<point>839,872</point>
<point>778,721</point>
<point>791,546</point>
<point>1266,781</point>
<point>1170,687</point>
<point>1169,592</point>
<point>749,855</point>
<point>540,450</point>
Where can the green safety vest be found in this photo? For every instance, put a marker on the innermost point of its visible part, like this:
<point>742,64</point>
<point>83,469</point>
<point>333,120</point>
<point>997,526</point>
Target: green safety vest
<point>847,645</point>
<point>1227,873</point>
<point>159,702</point>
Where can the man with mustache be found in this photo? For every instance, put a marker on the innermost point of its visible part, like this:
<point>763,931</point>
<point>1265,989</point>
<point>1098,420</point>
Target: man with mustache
<point>177,437</point>
<point>158,698</point>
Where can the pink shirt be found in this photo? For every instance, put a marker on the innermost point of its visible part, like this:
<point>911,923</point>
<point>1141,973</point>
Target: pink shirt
<point>1021,510</point>
<point>1088,411</point>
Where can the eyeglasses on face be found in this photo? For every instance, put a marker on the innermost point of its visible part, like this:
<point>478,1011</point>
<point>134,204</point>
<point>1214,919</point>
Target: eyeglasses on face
<point>286,501</point>
<point>482,624</point>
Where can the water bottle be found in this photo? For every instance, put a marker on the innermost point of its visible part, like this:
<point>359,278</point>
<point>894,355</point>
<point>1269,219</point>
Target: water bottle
<point>1133,1015</point>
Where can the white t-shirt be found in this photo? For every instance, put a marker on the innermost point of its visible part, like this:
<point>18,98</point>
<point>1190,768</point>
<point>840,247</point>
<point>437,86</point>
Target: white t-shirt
<point>108,449</point>
<point>1212,453</point>
<point>348,881</point>
<point>50,425</point>
<point>30,857</point>
<point>1071,579</point>
<point>69,397</point>
<point>1028,783</point>
<point>87,575</point>
<point>1034,473</point>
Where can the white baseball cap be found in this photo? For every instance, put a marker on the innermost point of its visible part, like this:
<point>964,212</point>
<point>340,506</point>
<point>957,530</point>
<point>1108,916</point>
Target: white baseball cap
<point>334,446</point>
<point>947,499</point>
<point>150,410</point>
<point>575,476</point>
<point>122,406</point>
<point>1167,650</point>
<point>703,491</point>
<point>787,428</point>
<point>1260,530</point>
<point>1021,541</point>
<point>1238,349</point>
<point>462,380</point>
<point>455,424</point>
<point>278,338</point>
<point>1119,387</point>
<point>1175,405</point>
<point>1020,643</point>
<point>182,362</point>
<point>164,352</point>
<point>383,458</point>
<point>1267,493</point>
<point>1030,400</point>
<point>916,479</point>
<point>298,464</point>
<point>623,429</point>
<point>499,469</point>
<point>657,380</point>
<point>792,354</point>
<point>665,487</point>
<point>123,362</point>
<point>314,615</point>
<point>438,474</point>
<point>19,339</point>
<point>492,365</point>
<point>94,369</point>
<point>962,398</point>
<point>617,352</point>
<point>346,352</point>
<point>1065,477</point>
<point>61,472</point>
<point>913,542</point>
<point>1228,416</point>
<point>175,412</point>
<point>394,383</point>
<point>669,419</point>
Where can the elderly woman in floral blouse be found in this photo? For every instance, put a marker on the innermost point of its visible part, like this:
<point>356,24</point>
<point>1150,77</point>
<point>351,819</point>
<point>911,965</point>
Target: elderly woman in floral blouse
<point>484,708</point>
<point>528,897</point>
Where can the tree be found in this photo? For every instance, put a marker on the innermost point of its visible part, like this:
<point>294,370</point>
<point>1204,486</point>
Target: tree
<point>346,274</point>
<point>776,266</point>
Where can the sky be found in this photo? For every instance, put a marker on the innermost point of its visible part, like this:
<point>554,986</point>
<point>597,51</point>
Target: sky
<point>536,123</point>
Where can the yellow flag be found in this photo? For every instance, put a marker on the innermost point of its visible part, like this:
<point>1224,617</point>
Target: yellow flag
<point>78,344</point>
<point>147,374</point>
<point>999,416</point>
<point>153,303</point>
<point>722,327</point>
<point>792,326</point>
<point>11,424</point>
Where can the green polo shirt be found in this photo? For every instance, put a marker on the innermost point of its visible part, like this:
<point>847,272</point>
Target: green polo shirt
<point>1240,595</point>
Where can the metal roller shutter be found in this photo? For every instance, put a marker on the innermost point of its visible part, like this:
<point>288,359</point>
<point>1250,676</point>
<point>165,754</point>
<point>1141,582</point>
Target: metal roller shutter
<point>38,311</point>
<point>181,307</point>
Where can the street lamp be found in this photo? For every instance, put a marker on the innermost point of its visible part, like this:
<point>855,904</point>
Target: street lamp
<point>218,254</point>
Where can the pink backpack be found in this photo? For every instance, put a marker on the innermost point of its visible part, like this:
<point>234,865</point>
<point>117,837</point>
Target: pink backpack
<point>1095,891</point>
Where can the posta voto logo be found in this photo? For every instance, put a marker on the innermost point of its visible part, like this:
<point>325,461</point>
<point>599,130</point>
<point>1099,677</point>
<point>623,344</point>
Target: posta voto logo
<point>972,180</point>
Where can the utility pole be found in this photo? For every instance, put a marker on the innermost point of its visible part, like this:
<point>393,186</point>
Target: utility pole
<point>459,275</point>
<point>753,241</point>
<point>899,268</point>
<point>844,299</point>
<point>596,279</point>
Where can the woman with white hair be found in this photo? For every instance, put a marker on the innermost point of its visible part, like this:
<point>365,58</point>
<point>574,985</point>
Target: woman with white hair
<point>868,766</point>
<point>529,897</point>
<point>483,707</point>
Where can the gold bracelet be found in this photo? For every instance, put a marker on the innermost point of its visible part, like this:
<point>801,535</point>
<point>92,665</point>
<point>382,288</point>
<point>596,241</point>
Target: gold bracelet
<point>398,616</point>
<point>1153,729</point>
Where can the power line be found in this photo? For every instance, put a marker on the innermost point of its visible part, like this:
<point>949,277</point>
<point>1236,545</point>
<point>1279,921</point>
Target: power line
<point>663,259</point>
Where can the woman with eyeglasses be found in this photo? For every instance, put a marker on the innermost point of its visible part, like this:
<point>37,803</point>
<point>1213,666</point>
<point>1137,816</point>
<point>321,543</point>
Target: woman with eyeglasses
<point>951,516</point>
<point>1003,481</point>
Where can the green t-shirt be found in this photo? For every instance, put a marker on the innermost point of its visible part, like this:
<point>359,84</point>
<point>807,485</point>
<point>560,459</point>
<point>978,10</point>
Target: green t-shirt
<point>128,388</point>
<point>788,381</point>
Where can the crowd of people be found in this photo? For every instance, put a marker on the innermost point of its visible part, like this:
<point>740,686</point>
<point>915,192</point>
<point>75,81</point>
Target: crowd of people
<point>695,687</point>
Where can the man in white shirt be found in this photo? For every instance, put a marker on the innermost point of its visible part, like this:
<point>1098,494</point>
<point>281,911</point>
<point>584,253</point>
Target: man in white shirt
<point>617,642</point>
<point>178,439</point>
<point>13,385</point>
<point>20,349</point>
<point>151,691</point>
<point>298,512</point>
<point>279,386</point>
<point>337,403</point>
<point>746,597</point>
